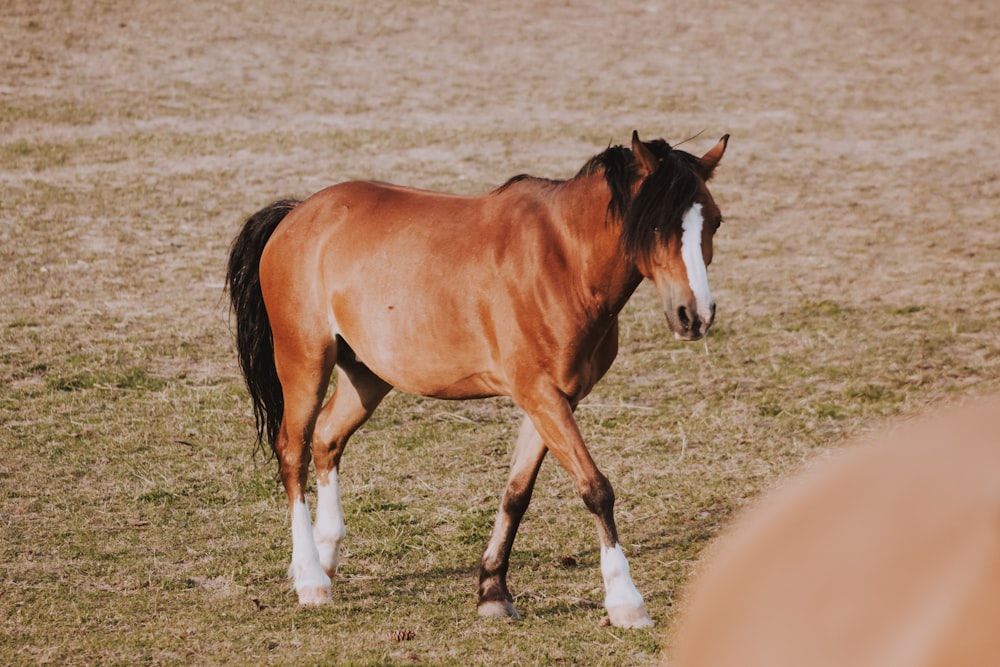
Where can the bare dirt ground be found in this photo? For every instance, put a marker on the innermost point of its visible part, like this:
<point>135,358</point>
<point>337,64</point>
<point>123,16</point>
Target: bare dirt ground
<point>856,277</point>
<point>879,121</point>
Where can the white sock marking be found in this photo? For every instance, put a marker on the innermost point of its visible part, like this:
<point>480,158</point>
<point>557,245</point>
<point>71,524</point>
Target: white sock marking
<point>330,528</point>
<point>694,261</point>
<point>302,541</point>
<point>618,586</point>
<point>305,569</point>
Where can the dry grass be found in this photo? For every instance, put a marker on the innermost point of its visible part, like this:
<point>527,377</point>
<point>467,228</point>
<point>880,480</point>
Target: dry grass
<point>857,280</point>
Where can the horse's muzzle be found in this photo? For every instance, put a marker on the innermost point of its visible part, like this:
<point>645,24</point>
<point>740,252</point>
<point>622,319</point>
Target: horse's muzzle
<point>689,325</point>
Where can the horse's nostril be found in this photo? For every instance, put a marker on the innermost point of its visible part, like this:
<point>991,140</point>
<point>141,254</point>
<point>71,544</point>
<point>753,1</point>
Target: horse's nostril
<point>685,317</point>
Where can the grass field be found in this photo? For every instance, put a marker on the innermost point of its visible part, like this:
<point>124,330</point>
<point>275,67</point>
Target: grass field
<point>857,279</point>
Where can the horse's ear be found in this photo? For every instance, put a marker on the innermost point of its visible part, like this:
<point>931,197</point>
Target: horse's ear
<point>647,161</point>
<point>710,159</point>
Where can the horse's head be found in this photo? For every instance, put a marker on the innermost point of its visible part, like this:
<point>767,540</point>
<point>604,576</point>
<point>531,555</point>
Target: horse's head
<point>668,230</point>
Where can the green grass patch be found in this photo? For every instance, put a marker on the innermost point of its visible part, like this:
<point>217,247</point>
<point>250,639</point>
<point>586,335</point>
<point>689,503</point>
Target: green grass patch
<point>136,379</point>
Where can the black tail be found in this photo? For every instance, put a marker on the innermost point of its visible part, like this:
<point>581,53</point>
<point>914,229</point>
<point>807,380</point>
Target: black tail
<point>253,330</point>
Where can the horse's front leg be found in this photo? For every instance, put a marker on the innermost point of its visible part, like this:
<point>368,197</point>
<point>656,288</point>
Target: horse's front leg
<point>529,452</point>
<point>553,418</point>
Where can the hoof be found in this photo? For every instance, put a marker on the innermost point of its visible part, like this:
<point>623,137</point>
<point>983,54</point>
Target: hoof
<point>498,609</point>
<point>315,595</point>
<point>311,583</point>
<point>629,617</point>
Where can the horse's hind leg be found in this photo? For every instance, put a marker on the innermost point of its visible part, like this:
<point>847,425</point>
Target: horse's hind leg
<point>358,393</point>
<point>304,371</point>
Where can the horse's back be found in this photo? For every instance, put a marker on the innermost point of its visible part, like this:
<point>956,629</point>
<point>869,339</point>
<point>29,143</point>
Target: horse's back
<point>367,209</point>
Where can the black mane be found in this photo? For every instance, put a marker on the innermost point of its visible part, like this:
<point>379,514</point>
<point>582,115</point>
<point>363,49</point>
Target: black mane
<point>620,171</point>
<point>655,212</point>
<point>527,177</point>
<point>665,195</point>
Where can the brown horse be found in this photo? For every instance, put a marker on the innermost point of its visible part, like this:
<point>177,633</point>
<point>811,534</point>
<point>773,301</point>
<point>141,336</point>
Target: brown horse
<point>887,554</point>
<point>515,293</point>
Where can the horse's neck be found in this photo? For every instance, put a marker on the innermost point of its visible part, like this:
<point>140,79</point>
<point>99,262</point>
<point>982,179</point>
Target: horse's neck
<point>610,276</point>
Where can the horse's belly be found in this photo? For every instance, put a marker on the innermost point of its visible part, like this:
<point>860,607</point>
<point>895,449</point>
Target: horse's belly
<point>472,386</point>
<point>433,354</point>
<point>439,381</point>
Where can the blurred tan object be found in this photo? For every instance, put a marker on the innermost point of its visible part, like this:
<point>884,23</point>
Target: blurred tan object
<point>886,555</point>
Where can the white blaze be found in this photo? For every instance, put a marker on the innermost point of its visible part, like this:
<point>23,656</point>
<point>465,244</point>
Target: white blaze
<point>694,261</point>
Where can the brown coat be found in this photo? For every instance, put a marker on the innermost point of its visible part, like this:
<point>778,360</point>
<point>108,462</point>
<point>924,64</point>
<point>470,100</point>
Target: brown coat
<point>886,555</point>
